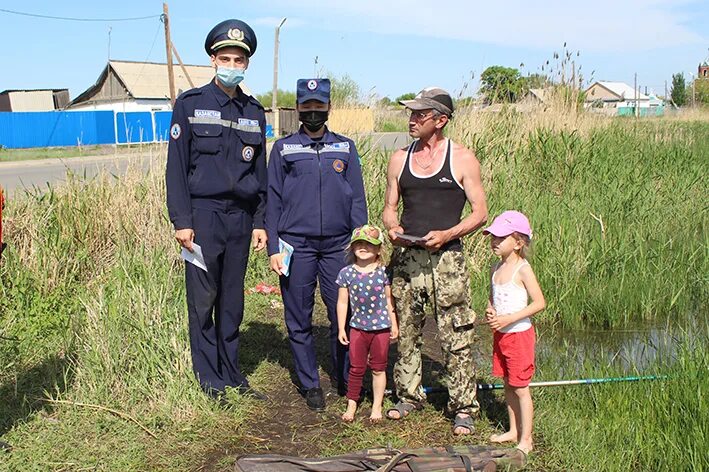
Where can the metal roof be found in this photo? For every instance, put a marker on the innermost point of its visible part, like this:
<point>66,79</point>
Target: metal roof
<point>34,90</point>
<point>622,90</point>
<point>148,80</point>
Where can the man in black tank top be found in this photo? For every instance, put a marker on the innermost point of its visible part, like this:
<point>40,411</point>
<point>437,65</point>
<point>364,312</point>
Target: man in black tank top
<point>433,178</point>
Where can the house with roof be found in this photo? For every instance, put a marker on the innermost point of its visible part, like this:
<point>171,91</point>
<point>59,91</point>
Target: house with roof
<point>128,86</point>
<point>604,94</point>
<point>34,99</point>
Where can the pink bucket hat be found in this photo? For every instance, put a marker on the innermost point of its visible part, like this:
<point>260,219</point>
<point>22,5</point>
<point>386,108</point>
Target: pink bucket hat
<point>509,222</point>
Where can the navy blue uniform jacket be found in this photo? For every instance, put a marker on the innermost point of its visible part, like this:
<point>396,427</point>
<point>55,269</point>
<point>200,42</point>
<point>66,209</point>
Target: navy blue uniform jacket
<point>217,151</point>
<point>315,188</point>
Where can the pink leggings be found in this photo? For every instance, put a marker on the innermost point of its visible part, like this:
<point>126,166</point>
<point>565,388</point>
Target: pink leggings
<point>366,345</point>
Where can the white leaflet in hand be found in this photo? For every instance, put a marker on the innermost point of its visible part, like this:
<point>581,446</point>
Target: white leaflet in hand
<point>287,251</point>
<point>195,257</point>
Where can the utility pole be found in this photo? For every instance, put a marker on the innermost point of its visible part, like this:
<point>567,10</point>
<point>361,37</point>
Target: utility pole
<point>182,66</point>
<point>168,50</point>
<point>666,97</point>
<point>694,94</point>
<point>637,107</point>
<point>274,93</point>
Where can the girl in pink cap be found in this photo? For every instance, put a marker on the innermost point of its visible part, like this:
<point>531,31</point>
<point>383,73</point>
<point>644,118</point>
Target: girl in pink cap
<point>515,296</point>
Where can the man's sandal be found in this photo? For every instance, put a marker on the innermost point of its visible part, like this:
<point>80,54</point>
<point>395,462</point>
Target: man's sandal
<point>463,422</point>
<point>403,408</point>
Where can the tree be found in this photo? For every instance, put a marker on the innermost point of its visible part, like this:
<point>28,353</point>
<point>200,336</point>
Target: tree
<point>384,102</point>
<point>286,99</point>
<point>406,96</point>
<point>679,90</point>
<point>701,90</point>
<point>537,81</point>
<point>502,84</point>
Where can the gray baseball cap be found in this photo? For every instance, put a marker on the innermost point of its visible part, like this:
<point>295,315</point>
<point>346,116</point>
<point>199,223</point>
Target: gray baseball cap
<point>431,98</point>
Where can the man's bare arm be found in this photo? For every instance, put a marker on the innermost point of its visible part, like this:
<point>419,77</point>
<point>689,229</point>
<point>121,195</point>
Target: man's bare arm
<point>390,216</point>
<point>469,169</point>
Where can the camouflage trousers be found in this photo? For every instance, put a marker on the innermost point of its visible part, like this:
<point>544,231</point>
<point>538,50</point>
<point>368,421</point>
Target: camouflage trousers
<point>441,280</point>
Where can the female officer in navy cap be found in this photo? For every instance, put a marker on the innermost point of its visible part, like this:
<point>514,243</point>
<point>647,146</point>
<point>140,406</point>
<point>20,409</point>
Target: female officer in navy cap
<point>315,200</point>
<point>216,198</point>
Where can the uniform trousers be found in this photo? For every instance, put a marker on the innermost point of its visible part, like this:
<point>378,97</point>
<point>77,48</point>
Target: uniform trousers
<point>315,259</point>
<point>215,299</point>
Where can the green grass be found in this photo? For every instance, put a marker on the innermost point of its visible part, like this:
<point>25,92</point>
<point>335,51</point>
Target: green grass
<point>9,155</point>
<point>92,312</point>
<point>620,221</point>
<point>12,155</point>
<point>391,121</point>
<point>654,425</point>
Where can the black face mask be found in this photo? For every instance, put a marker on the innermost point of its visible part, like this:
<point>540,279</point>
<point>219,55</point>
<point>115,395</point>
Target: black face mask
<point>313,120</point>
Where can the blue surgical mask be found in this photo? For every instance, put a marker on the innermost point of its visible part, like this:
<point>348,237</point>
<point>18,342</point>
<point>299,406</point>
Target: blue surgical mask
<point>230,78</point>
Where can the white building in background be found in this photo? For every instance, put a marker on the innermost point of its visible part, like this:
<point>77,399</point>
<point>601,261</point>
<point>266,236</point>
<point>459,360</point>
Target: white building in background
<point>615,95</point>
<point>126,86</point>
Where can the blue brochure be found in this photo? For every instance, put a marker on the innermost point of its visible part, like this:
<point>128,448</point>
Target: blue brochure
<point>287,251</point>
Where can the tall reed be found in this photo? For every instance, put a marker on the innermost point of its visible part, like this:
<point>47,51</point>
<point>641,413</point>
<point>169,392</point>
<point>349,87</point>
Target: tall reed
<point>92,292</point>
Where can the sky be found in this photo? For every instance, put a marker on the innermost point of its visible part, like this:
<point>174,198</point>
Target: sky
<point>389,47</point>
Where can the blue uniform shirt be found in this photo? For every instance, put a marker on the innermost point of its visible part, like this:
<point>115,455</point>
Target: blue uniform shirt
<point>315,188</point>
<point>217,151</point>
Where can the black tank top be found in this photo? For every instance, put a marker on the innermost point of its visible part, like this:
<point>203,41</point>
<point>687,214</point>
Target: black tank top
<point>431,203</point>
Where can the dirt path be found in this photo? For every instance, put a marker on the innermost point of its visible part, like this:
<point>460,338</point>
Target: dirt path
<point>284,425</point>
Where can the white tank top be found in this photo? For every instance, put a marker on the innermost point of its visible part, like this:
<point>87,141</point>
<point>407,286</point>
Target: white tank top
<point>510,298</point>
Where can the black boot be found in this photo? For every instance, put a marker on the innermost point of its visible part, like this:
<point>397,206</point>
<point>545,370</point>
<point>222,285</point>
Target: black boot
<point>314,399</point>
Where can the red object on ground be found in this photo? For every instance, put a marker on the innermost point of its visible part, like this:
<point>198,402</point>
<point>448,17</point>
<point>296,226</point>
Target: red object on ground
<point>265,289</point>
<point>2,205</point>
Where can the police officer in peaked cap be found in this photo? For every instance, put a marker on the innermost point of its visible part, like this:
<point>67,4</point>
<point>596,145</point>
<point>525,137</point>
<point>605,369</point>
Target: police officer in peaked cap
<point>315,199</point>
<point>216,198</point>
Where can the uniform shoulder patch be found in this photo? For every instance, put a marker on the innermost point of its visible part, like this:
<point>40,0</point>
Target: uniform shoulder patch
<point>175,131</point>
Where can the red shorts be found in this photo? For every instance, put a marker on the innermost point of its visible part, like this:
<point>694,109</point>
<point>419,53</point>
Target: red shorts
<point>513,356</point>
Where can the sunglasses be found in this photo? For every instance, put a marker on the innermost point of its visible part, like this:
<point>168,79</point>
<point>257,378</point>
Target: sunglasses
<point>421,116</point>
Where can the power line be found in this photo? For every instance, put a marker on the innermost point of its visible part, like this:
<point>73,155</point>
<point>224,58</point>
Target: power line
<point>77,19</point>
<point>140,72</point>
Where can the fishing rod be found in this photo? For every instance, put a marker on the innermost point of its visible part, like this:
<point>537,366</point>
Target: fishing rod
<point>553,383</point>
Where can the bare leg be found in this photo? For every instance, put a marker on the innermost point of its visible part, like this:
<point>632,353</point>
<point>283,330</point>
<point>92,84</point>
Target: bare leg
<point>512,405</point>
<point>525,417</point>
<point>348,415</point>
<point>379,381</point>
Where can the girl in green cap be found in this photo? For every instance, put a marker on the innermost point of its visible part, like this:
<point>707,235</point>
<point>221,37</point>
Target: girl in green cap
<point>364,284</point>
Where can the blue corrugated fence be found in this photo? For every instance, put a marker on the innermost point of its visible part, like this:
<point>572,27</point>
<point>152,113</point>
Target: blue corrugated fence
<point>73,128</point>
<point>56,128</point>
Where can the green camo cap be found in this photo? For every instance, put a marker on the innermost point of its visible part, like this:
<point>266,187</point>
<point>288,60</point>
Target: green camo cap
<point>369,233</point>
